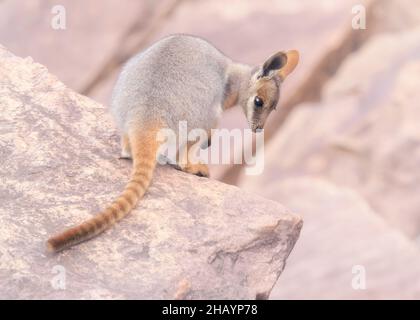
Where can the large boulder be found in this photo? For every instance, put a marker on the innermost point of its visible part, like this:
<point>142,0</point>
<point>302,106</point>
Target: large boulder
<point>189,238</point>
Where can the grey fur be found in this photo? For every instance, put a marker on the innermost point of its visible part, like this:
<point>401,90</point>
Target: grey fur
<point>183,77</point>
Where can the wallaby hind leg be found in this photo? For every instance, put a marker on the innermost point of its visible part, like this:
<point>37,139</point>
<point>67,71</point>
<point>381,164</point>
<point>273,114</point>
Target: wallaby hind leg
<point>125,147</point>
<point>187,165</point>
<point>199,169</point>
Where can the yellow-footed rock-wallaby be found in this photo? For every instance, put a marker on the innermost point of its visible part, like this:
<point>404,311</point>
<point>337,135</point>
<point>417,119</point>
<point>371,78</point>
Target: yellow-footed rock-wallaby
<point>179,78</point>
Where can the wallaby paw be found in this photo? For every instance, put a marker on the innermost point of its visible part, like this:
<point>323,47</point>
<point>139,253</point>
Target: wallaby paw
<point>125,155</point>
<point>200,169</point>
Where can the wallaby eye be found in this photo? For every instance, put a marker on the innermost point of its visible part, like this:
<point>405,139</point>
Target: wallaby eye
<point>258,102</point>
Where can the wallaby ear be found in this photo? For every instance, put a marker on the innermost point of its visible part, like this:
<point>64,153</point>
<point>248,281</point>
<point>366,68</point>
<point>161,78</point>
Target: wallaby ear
<point>274,63</point>
<point>291,62</point>
<point>283,63</point>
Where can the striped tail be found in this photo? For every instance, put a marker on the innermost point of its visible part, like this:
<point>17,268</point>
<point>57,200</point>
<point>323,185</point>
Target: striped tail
<point>143,148</point>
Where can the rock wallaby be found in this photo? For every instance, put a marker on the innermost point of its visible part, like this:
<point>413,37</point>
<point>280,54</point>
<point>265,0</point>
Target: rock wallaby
<point>179,78</point>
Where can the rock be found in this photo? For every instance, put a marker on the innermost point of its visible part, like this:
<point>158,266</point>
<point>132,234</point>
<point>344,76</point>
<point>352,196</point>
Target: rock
<point>190,237</point>
<point>346,250</point>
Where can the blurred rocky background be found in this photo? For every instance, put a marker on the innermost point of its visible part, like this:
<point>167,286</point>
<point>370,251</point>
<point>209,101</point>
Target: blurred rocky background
<point>343,148</point>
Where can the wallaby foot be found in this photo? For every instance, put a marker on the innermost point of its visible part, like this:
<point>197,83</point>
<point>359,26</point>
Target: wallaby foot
<point>199,169</point>
<point>125,147</point>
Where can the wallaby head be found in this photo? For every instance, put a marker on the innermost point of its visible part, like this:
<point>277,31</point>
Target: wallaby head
<point>263,90</point>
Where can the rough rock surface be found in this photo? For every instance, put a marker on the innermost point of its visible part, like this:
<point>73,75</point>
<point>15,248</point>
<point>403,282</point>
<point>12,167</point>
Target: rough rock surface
<point>189,238</point>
